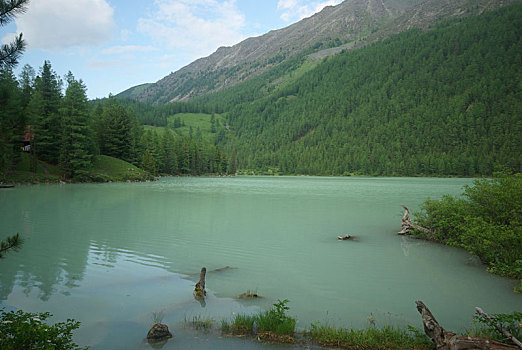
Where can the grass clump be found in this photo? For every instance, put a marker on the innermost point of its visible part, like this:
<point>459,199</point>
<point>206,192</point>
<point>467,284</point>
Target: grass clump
<point>276,320</point>
<point>372,338</point>
<point>240,325</point>
<point>249,294</point>
<point>200,323</point>
<point>157,316</point>
<point>274,324</point>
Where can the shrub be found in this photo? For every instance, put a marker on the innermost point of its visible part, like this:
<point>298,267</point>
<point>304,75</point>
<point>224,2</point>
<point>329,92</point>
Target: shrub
<point>24,330</point>
<point>487,222</point>
<point>276,320</point>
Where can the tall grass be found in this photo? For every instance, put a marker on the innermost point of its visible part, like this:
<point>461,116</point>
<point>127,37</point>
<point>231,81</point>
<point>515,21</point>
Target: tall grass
<point>274,321</point>
<point>386,338</point>
<point>198,322</point>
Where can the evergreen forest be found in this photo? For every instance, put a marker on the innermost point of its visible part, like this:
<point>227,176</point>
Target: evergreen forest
<point>441,102</point>
<point>46,121</point>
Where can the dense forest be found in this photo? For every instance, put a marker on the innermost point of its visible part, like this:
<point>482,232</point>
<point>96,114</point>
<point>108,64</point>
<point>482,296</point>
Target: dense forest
<point>41,120</point>
<point>447,102</point>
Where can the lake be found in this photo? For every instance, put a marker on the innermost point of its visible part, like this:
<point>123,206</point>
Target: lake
<point>111,255</point>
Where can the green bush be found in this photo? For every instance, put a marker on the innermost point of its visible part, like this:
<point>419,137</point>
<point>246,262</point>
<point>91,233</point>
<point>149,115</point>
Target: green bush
<point>24,330</point>
<point>487,222</point>
<point>276,320</point>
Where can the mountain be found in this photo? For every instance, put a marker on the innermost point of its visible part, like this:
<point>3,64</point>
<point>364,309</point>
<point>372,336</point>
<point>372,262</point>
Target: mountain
<point>446,101</point>
<point>353,23</point>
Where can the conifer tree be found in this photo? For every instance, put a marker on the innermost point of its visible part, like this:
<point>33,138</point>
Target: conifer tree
<point>77,137</point>
<point>12,120</point>
<point>10,53</point>
<point>44,108</point>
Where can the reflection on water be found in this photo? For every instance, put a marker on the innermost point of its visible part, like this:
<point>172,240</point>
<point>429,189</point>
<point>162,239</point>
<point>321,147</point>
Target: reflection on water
<point>110,255</point>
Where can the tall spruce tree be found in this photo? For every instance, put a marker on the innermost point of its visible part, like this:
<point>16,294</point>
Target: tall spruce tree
<point>44,109</point>
<point>77,146</point>
<point>12,120</point>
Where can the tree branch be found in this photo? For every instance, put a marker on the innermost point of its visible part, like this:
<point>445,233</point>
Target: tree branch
<point>9,53</point>
<point>499,327</point>
<point>10,8</point>
<point>11,243</point>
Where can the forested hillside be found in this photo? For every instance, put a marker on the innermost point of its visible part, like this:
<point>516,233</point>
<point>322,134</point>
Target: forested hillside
<point>443,102</point>
<point>44,126</point>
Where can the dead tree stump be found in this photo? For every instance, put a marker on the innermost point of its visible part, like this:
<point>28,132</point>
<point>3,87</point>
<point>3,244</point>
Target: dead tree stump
<point>407,226</point>
<point>199,289</point>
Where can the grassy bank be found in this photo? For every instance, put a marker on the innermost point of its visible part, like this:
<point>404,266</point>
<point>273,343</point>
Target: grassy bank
<point>275,325</point>
<point>105,169</point>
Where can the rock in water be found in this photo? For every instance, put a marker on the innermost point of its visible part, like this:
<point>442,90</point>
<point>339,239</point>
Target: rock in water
<point>159,332</point>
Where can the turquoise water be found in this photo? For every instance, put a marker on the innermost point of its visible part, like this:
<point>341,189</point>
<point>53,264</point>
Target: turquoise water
<point>109,255</point>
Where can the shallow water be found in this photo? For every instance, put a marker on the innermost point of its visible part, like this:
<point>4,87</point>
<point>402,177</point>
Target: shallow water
<point>110,255</point>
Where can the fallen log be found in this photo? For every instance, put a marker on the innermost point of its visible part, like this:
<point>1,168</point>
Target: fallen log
<point>499,327</point>
<point>199,289</point>
<point>407,226</point>
<point>446,340</point>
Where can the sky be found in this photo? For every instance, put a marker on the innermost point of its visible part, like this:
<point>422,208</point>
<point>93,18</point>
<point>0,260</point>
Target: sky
<point>113,45</point>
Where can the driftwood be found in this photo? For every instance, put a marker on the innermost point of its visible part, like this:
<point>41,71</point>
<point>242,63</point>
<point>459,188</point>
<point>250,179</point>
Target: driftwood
<point>347,237</point>
<point>199,289</point>
<point>407,225</point>
<point>499,327</point>
<point>446,340</point>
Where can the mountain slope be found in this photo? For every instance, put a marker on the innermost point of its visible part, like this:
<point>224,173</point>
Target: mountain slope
<point>446,101</point>
<point>333,26</point>
<point>353,23</point>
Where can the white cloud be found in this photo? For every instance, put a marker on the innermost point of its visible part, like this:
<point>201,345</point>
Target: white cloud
<point>127,49</point>
<point>295,10</point>
<point>59,24</point>
<point>194,27</point>
<point>102,64</point>
<point>286,4</point>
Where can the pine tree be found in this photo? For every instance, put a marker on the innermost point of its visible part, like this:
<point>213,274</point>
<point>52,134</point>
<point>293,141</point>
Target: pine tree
<point>12,120</point>
<point>44,108</point>
<point>117,134</point>
<point>77,137</point>
<point>148,162</point>
<point>232,165</point>
<point>10,53</point>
